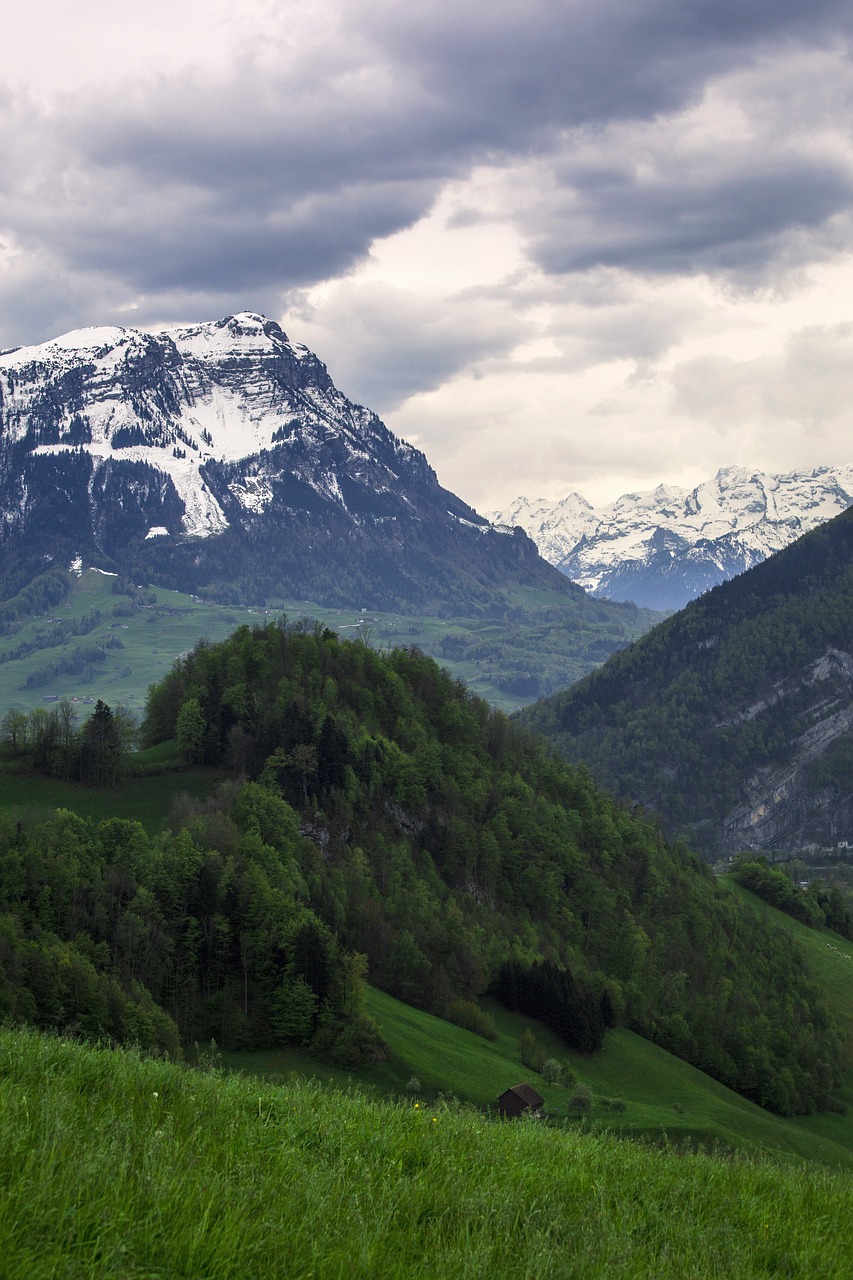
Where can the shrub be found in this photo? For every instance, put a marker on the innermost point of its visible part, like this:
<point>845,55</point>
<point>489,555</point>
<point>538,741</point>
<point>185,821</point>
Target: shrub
<point>568,1075</point>
<point>531,1051</point>
<point>467,1014</point>
<point>552,1071</point>
<point>580,1100</point>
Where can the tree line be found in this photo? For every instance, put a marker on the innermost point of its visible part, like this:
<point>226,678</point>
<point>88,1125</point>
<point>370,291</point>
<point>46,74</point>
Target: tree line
<point>107,933</point>
<point>53,741</point>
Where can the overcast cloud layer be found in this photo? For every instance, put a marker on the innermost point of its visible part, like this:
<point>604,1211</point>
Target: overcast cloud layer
<point>581,244</point>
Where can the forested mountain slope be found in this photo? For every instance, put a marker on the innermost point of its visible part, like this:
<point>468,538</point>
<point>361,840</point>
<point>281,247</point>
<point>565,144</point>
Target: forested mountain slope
<point>458,854</point>
<point>733,719</point>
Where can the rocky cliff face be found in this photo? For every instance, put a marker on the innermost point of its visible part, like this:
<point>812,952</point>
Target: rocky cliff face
<point>786,807</point>
<point>663,548</point>
<point>221,457</point>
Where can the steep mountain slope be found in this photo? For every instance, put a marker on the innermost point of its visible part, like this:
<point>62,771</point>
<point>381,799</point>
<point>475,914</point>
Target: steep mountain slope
<point>221,458</point>
<point>666,546</point>
<point>733,719</point>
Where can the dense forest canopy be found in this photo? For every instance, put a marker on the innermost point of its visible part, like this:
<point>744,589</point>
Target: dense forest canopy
<point>683,719</point>
<point>444,843</point>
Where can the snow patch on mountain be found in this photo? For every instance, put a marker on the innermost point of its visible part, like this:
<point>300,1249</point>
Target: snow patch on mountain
<point>680,541</point>
<point>181,399</point>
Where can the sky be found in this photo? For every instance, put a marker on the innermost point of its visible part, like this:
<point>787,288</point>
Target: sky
<point>569,245</point>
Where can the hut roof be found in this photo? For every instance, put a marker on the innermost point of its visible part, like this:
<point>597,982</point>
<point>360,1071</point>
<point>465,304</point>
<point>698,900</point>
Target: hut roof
<point>527,1095</point>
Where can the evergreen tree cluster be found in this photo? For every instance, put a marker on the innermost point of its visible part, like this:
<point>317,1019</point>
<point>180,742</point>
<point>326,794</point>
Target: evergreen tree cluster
<point>550,993</point>
<point>95,753</point>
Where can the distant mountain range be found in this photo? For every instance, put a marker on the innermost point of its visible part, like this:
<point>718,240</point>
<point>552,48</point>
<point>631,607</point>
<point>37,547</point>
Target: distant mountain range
<point>733,719</point>
<point>666,546</point>
<point>220,458</point>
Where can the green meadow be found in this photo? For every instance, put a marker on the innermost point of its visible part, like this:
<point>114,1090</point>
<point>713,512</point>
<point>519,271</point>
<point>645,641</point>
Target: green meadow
<point>549,638</point>
<point>144,797</point>
<point>116,1166</point>
<point>667,1102</point>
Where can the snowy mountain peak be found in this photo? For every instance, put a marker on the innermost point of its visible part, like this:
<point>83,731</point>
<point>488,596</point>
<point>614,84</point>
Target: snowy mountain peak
<point>247,333</point>
<point>97,343</point>
<point>660,547</point>
<point>176,401</point>
<point>222,455</point>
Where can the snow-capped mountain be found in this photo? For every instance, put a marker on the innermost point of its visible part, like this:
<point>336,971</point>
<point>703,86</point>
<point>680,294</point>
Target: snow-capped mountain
<point>663,547</point>
<point>221,457</point>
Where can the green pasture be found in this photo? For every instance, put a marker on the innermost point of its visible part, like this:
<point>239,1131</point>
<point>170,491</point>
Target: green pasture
<point>667,1101</point>
<point>152,638</point>
<point>146,799</point>
<point>113,1166</point>
<point>158,633</point>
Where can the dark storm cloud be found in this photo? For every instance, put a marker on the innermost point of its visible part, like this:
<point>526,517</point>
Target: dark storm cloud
<point>523,68</point>
<point>281,171</point>
<point>212,242</point>
<point>734,222</point>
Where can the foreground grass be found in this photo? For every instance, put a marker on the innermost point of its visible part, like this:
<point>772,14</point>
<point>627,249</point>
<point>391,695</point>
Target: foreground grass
<point>113,1166</point>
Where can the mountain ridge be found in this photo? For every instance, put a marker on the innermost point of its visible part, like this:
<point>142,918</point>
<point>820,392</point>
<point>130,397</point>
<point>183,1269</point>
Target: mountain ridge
<point>664,546</point>
<point>220,457</point>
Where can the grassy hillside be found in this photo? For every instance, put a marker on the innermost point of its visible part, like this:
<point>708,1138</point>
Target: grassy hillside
<point>666,1101</point>
<point>394,818</point>
<point>830,961</point>
<point>145,798</point>
<point>115,1167</point>
<point>549,644</point>
<point>663,1095</point>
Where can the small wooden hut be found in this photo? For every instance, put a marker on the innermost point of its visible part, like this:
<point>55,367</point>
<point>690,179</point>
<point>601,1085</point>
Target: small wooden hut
<point>514,1101</point>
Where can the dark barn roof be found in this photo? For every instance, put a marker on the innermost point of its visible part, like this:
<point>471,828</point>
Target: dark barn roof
<point>518,1098</point>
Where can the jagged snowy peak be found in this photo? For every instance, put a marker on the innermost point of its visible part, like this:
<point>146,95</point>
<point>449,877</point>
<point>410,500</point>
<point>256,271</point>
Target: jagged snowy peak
<point>220,457</point>
<point>184,398</point>
<point>555,527</point>
<point>664,546</point>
